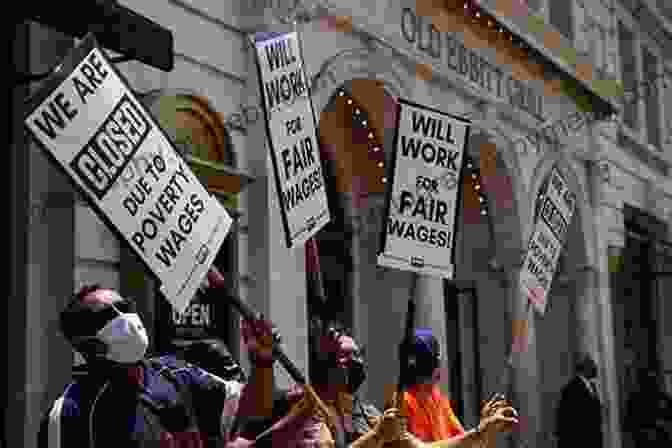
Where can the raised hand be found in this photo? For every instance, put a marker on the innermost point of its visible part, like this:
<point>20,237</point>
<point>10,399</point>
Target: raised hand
<point>259,337</point>
<point>502,419</point>
<point>490,407</point>
<point>389,427</point>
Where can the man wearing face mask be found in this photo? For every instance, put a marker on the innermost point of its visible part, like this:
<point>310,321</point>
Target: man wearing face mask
<point>126,400</point>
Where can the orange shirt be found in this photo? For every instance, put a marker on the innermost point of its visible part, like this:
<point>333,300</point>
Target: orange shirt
<point>430,416</point>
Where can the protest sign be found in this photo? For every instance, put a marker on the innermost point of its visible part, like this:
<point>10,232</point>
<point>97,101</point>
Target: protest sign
<point>541,260</point>
<point>90,122</point>
<point>423,196</point>
<point>291,131</point>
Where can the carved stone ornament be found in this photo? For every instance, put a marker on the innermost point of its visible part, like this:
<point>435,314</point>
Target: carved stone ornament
<point>297,11</point>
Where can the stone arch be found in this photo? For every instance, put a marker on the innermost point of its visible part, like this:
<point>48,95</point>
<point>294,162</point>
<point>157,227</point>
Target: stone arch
<point>562,331</point>
<point>348,244</point>
<point>512,162</point>
<point>506,213</point>
<point>196,128</point>
<point>359,63</point>
<point>193,109</point>
<point>578,186</point>
<point>489,250</point>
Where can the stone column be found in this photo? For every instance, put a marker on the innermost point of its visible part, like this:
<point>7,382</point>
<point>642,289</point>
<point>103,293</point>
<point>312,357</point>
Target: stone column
<point>277,284</point>
<point>524,379</point>
<point>586,310</point>
<point>609,232</point>
<point>429,296</point>
<point>431,313</point>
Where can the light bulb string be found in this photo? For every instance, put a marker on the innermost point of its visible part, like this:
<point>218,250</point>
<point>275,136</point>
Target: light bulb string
<point>358,112</point>
<point>374,145</point>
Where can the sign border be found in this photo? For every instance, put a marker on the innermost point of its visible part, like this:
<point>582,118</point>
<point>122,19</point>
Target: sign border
<point>388,195</point>
<point>67,66</point>
<point>289,239</point>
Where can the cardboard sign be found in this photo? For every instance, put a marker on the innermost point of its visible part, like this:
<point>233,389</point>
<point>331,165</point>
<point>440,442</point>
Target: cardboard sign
<point>423,197</point>
<point>291,130</point>
<point>93,126</point>
<point>550,232</point>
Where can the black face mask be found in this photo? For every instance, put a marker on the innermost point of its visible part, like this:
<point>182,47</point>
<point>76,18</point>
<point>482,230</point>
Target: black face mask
<point>329,372</point>
<point>356,374</point>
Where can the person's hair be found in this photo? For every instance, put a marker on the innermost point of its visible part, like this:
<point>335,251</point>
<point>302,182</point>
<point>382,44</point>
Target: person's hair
<point>585,362</point>
<point>214,357</point>
<point>318,329</point>
<point>73,317</point>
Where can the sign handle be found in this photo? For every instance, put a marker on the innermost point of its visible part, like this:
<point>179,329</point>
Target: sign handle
<point>405,358</point>
<point>278,354</point>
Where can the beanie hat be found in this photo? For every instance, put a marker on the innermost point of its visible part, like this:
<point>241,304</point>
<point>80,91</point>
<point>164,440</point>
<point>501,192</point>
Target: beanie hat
<point>425,348</point>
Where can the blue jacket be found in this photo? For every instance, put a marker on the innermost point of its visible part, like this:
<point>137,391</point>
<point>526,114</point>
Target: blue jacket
<point>94,413</point>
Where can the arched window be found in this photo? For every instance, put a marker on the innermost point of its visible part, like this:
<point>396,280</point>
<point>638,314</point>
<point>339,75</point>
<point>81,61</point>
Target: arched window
<point>198,132</point>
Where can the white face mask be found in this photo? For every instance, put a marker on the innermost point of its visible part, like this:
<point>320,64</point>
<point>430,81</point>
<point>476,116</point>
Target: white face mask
<point>126,338</point>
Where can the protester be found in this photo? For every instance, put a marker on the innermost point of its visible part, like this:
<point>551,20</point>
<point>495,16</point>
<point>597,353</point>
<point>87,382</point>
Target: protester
<point>213,356</point>
<point>337,372</point>
<point>579,414</point>
<point>430,415</point>
<point>126,400</point>
<point>649,413</point>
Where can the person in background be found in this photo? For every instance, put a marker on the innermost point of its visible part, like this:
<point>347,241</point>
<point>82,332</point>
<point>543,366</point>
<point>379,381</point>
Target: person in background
<point>127,400</point>
<point>430,414</point>
<point>579,413</point>
<point>649,412</point>
<point>213,356</point>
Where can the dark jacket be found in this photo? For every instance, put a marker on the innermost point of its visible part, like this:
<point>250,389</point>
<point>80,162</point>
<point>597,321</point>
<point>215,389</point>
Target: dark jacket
<point>95,410</point>
<point>579,416</point>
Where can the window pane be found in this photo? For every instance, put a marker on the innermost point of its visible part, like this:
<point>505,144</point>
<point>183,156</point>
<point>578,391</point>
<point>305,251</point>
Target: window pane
<point>560,12</point>
<point>629,72</point>
<point>650,68</point>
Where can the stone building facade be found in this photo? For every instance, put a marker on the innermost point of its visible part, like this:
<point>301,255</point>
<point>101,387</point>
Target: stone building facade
<point>372,51</point>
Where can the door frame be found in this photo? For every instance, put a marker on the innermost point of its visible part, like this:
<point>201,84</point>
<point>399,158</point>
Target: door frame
<point>464,370</point>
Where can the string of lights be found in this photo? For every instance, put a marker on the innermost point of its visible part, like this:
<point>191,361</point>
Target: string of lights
<point>474,173</point>
<point>377,156</point>
<point>359,116</point>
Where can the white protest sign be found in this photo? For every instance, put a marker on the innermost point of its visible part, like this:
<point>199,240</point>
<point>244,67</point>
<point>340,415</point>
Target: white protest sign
<point>423,198</point>
<point>550,232</point>
<point>293,140</point>
<point>91,123</point>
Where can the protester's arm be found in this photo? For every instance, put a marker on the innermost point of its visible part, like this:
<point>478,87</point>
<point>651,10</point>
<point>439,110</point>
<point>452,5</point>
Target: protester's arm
<point>388,428</point>
<point>502,420</point>
<point>257,397</point>
<point>473,438</point>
